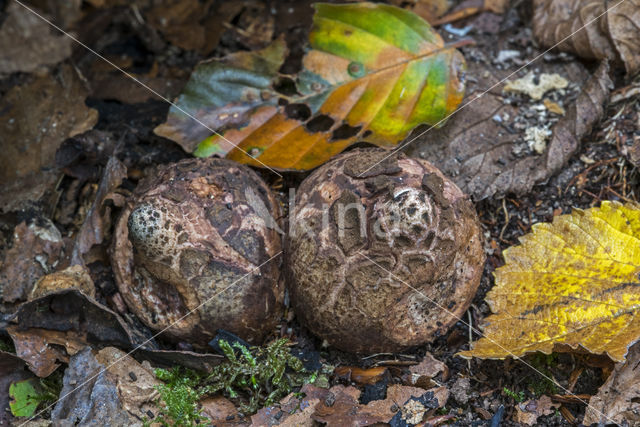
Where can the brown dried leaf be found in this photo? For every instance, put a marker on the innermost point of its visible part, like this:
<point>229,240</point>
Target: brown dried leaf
<point>476,147</point>
<point>37,249</point>
<point>292,411</point>
<point>222,412</point>
<point>36,117</point>
<point>135,382</point>
<point>619,397</point>
<point>27,42</point>
<point>43,350</point>
<point>528,412</point>
<point>614,36</point>
<point>345,410</point>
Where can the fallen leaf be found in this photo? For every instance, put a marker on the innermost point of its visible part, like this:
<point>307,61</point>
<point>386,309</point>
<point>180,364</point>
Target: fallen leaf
<point>614,36</point>
<point>344,410</point>
<point>529,411</point>
<point>359,375</point>
<point>97,222</point>
<point>374,72</point>
<point>294,410</point>
<point>493,164</point>
<point>135,382</point>
<point>221,411</point>
<point>70,310</point>
<point>422,374</point>
<point>28,43</point>
<point>12,369</point>
<point>244,80</point>
<point>570,285</point>
<point>23,403</point>
<point>89,396</point>
<point>36,250</point>
<point>618,399</point>
<point>44,350</point>
<point>74,277</point>
<point>429,10</point>
<point>36,117</point>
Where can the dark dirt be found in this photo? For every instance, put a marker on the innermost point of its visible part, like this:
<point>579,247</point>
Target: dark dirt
<point>598,171</point>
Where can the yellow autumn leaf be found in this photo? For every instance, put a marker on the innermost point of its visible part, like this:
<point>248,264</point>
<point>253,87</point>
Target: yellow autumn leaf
<point>570,284</point>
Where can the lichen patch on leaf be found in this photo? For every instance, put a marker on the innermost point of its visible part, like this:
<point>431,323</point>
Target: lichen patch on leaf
<point>574,283</point>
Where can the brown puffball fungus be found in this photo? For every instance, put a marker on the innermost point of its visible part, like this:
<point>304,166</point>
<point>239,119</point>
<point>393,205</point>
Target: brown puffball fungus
<point>198,230</point>
<point>366,280</point>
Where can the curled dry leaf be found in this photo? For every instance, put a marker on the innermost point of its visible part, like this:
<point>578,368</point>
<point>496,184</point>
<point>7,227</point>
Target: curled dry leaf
<point>572,284</point>
<point>374,72</point>
<point>43,350</point>
<point>37,249</point>
<point>614,36</point>
<point>27,42</point>
<point>618,399</point>
<point>492,164</point>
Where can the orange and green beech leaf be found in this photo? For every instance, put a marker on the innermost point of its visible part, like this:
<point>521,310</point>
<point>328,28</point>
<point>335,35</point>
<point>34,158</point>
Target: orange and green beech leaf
<point>374,72</point>
<point>573,284</point>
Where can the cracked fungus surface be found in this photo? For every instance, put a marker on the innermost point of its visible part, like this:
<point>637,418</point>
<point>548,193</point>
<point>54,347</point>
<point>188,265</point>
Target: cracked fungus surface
<point>375,256</point>
<point>195,231</point>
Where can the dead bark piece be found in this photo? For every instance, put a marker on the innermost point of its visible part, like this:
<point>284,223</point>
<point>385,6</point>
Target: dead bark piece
<point>614,36</point>
<point>618,399</point>
<point>28,43</point>
<point>486,156</point>
<point>37,250</point>
<point>88,396</point>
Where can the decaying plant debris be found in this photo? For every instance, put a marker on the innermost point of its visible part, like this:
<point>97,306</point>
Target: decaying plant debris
<point>295,84</point>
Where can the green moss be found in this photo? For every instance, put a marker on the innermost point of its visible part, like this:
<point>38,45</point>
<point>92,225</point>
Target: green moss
<point>251,377</point>
<point>179,398</point>
<point>518,397</point>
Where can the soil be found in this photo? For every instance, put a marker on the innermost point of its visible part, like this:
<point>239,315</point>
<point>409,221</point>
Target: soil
<point>600,170</point>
